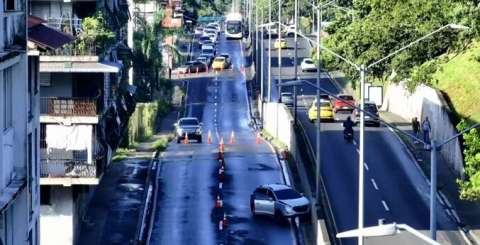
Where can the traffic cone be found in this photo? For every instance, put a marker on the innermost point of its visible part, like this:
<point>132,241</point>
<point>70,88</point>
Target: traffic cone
<point>209,139</point>
<point>221,146</point>
<point>258,139</point>
<point>225,221</point>
<point>185,139</point>
<point>232,138</point>
<point>218,202</point>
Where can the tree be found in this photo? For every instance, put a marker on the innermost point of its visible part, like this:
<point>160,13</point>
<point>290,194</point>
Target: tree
<point>470,188</point>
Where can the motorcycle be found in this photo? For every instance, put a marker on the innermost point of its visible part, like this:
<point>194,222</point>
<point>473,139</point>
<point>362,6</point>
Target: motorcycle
<point>348,134</point>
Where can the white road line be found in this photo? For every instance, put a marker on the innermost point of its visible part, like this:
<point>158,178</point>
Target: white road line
<point>374,184</point>
<point>385,205</point>
<point>366,166</point>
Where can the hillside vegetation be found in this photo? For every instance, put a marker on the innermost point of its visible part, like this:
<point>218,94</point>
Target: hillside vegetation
<point>459,78</point>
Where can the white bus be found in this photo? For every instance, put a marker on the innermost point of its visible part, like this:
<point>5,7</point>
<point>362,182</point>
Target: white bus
<point>234,26</point>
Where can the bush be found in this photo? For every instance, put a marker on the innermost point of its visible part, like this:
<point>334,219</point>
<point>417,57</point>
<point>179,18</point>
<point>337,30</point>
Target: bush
<point>470,188</point>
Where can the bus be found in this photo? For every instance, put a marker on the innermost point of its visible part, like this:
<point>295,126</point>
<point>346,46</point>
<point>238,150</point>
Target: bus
<point>234,26</point>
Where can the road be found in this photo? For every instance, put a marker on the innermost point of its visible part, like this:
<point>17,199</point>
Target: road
<point>188,179</point>
<point>395,190</point>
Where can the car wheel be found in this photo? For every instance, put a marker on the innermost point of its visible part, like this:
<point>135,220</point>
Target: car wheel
<point>252,207</point>
<point>199,140</point>
<point>311,120</point>
<point>278,216</point>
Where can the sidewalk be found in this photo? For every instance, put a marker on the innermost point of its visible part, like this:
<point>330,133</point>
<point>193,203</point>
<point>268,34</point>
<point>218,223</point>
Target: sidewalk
<point>113,212</point>
<point>465,213</point>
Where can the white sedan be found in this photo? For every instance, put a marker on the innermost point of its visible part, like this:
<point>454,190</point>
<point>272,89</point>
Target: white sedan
<point>308,65</point>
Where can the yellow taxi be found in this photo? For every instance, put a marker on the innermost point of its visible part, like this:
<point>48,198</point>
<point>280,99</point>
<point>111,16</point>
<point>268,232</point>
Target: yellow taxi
<point>219,63</point>
<point>280,43</point>
<point>326,111</point>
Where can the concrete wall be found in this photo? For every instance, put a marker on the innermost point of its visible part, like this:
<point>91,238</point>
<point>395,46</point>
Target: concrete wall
<point>60,86</point>
<point>56,219</point>
<point>426,101</point>
<point>278,122</point>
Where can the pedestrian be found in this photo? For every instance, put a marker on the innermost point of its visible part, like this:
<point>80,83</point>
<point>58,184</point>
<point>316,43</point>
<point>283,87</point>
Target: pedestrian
<point>426,127</point>
<point>416,129</point>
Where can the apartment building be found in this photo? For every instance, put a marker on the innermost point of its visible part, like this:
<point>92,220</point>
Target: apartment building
<point>85,103</point>
<point>19,131</point>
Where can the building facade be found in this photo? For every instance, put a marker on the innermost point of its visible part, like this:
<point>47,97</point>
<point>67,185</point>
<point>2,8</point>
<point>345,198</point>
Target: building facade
<point>85,103</point>
<point>19,130</point>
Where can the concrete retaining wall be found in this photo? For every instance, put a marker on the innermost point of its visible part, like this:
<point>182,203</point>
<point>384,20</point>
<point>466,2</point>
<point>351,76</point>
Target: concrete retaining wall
<point>278,122</point>
<point>426,101</point>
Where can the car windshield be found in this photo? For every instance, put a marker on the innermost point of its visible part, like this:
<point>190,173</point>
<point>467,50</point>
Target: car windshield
<point>286,194</point>
<point>188,122</point>
<point>325,104</point>
<point>207,51</point>
<point>308,61</point>
<point>234,27</point>
<point>219,59</point>
<point>346,97</point>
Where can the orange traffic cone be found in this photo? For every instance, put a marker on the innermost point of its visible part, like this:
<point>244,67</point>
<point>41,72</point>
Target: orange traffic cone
<point>221,146</point>
<point>209,139</point>
<point>232,138</point>
<point>218,202</point>
<point>258,139</point>
<point>185,139</point>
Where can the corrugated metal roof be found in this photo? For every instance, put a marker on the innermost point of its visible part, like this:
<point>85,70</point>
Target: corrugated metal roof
<point>47,37</point>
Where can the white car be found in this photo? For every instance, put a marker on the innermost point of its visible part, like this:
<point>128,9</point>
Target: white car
<point>291,31</point>
<point>199,30</point>
<point>308,65</point>
<point>280,201</point>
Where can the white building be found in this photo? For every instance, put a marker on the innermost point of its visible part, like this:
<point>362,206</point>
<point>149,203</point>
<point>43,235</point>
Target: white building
<point>19,130</point>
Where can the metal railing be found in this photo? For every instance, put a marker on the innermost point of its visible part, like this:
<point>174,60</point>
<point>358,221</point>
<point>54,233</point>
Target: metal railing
<point>57,106</point>
<point>67,24</point>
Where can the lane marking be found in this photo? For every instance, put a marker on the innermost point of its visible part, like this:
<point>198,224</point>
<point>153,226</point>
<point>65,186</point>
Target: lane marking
<point>385,205</point>
<point>366,166</point>
<point>374,184</point>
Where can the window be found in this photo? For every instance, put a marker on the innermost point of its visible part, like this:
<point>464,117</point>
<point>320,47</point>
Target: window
<point>7,98</point>
<point>45,195</point>
<point>9,5</point>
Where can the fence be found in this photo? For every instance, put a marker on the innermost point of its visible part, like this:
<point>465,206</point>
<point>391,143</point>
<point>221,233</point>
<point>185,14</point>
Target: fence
<point>56,106</point>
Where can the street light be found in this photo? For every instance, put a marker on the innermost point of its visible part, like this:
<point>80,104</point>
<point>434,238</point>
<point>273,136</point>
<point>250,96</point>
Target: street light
<point>363,70</point>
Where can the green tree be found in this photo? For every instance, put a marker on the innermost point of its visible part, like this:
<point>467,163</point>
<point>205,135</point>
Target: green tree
<point>96,35</point>
<point>470,188</point>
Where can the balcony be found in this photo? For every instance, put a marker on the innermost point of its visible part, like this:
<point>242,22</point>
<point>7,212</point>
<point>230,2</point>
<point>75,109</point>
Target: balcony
<point>56,106</point>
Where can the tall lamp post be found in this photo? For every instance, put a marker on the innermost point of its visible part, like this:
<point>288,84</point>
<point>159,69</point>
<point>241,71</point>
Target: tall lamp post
<point>363,71</point>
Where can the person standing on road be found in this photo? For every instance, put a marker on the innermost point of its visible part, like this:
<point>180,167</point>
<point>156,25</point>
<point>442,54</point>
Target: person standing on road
<point>415,128</point>
<point>426,127</point>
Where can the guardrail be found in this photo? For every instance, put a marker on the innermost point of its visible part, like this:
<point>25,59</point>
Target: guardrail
<point>58,106</point>
<point>146,212</point>
<point>332,227</point>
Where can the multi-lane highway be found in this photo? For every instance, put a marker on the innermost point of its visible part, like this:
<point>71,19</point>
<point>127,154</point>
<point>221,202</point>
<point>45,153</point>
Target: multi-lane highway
<point>395,190</point>
<point>185,210</point>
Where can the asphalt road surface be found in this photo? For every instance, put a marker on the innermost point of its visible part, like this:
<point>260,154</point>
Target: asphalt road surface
<point>395,190</point>
<point>188,179</point>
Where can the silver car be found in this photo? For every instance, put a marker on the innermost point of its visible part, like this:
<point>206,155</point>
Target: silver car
<point>188,126</point>
<point>279,201</point>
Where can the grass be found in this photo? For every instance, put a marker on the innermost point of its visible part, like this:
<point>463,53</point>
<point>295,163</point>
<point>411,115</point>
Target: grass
<point>122,153</point>
<point>280,146</point>
<point>162,143</point>
<point>459,78</point>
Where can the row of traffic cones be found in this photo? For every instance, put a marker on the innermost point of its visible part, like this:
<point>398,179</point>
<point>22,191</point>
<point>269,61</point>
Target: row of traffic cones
<point>223,222</point>
<point>232,141</point>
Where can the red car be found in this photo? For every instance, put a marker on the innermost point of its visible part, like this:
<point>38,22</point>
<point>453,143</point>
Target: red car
<point>346,104</point>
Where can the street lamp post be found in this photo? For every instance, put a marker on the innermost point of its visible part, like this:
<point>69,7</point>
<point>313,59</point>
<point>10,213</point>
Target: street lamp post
<point>279,37</point>
<point>295,64</point>
<point>270,52</point>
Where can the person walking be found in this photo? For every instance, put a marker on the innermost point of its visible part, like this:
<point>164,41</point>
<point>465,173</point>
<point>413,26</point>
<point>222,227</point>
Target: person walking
<point>416,129</point>
<point>426,128</point>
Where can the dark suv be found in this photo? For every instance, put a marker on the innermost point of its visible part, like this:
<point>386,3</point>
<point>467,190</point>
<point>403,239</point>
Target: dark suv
<point>188,126</point>
<point>370,109</point>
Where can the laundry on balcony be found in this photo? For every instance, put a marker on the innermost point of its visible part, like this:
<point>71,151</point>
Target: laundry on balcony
<point>69,142</point>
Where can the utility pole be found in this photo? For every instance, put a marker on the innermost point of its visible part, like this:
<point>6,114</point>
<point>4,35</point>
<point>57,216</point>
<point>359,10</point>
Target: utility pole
<point>270,51</point>
<point>361,155</point>
<point>317,169</point>
<point>279,49</point>
<point>296,65</point>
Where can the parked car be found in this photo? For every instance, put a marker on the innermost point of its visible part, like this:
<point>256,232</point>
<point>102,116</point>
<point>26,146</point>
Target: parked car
<point>346,104</point>
<point>280,201</point>
<point>326,111</point>
<point>208,53</point>
<point>227,59</point>
<point>213,36</point>
<point>270,31</point>
<point>308,65</point>
<point>198,30</point>
<point>207,59</point>
<point>216,26</point>
<point>197,66</point>
<point>184,69</point>
<point>188,126</point>
<point>204,39</point>
<point>280,43</point>
<point>219,63</point>
<point>371,109</point>
<point>286,98</point>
